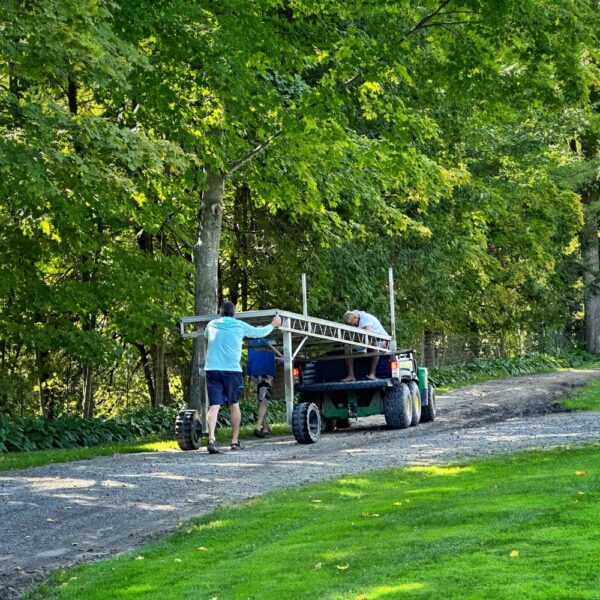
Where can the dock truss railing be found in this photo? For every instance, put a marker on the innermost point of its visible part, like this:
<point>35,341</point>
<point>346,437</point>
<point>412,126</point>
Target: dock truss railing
<point>297,332</point>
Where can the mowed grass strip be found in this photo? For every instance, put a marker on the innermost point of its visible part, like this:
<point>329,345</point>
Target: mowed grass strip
<point>37,458</point>
<point>520,526</point>
<point>585,398</point>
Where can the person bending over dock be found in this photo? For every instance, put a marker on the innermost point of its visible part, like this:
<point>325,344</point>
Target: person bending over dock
<point>364,320</point>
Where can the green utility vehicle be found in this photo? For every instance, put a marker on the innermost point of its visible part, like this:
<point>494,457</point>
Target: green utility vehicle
<point>316,398</point>
<point>401,392</point>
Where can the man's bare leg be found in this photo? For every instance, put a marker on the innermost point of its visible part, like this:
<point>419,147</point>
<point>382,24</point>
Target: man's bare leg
<point>261,423</point>
<point>211,418</point>
<point>236,418</point>
<point>350,366</point>
<point>373,371</point>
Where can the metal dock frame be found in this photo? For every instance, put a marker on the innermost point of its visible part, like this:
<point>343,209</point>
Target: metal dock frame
<point>296,332</point>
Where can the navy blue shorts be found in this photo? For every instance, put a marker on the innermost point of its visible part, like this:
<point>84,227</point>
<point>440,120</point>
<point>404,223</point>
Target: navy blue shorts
<point>224,387</point>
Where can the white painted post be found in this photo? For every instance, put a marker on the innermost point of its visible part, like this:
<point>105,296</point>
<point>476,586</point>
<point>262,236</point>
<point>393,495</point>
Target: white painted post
<point>304,296</point>
<point>392,307</point>
<point>288,369</point>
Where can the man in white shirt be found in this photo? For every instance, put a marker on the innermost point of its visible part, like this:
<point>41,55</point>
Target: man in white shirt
<point>364,320</point>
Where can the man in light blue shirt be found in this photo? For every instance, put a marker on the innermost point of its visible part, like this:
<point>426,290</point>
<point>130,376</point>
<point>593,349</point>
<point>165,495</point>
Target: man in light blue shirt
<point>224,380</point>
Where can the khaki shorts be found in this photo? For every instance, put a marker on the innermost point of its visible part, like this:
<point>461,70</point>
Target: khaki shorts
<point>263,387</point>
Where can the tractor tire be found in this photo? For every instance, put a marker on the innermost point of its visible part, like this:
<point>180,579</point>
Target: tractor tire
<point>343,423</point>
<point>415,396</point>
<point>306,423</point>
<point>188,429</point>
<point>397,407</point>
<point>429,411</point>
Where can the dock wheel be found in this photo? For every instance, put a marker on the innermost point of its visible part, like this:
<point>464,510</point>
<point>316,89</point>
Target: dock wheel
<point>306,423</point>
<point>397,407</point>
<point>415,396</point>
<point>429,411</point>
<point>188,429</point>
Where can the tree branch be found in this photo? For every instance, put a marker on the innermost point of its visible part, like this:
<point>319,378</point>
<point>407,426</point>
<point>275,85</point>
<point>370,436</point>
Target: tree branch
<point>428,17</point>
<point>234,166</point>
<point>444,23</point>
<point>461,12</point>
<point>178,236</point>
<point>452,32</point>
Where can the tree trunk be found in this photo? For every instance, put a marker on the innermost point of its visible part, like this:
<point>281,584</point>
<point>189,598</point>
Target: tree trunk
<point>158,359</point>
<point>591,277</point>
<point>47,401</point>
<point>206,263</point>
<point>147,373</point>
<point>429,349</point>
<point>88,391</point>
<point>166,387</point>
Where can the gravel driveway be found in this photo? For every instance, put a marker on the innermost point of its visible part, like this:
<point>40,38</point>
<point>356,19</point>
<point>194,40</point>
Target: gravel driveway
<point>57,515</point>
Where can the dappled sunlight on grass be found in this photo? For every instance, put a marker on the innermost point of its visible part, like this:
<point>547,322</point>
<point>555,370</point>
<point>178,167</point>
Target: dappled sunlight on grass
<point>158,446</point>
<point>351,494</point>
<point>134,591</point>
<point>24,460</point>
<point>441,470</point>
<point>359,482</point>
<point>335,555</point>
<point>385,590</point>
<point>207,526</point>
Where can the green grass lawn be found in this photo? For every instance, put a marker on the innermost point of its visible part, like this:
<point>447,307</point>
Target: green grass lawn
<point>517,527</point>
<point>585,398</point>
<point>483,378</point>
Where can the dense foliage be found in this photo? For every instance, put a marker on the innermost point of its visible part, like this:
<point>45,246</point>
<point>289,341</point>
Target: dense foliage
<point>19,434</point>
<point>158,156</point>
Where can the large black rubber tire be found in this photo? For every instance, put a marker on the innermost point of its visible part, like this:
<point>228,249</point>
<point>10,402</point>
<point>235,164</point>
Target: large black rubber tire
<point>415,396</point>
<point>397,407</point>
<point>428,413</point>
<point>188,429</point>
<point>343,423</point>
<point>306,423</point>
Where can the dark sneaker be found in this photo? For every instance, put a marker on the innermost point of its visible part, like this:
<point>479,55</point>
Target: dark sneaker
<point>259,434</point>
<point>236,446</point>
<point>213,449</point>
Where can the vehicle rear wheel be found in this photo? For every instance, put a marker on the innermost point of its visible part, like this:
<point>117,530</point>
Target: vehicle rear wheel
<point>343,423</point>
<point>188,429</point>
<point>397,407</point>
<point>428,413</point>
<point>415,396</point>
<point>306,423</point>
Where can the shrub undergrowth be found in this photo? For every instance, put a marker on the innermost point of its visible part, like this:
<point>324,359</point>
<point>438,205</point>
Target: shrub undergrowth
<point>23,434</point>
<point>508,367</point>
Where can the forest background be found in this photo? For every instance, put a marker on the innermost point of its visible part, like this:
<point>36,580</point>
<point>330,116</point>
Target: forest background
<point>159,156</point>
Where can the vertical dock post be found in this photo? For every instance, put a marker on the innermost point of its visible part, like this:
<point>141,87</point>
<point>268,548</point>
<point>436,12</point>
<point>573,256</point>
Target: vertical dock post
<point>304,296</point>
<point>392,307</point>
<point>288,369</point>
